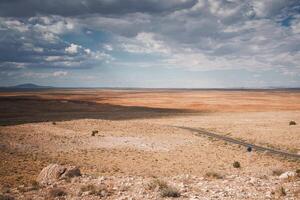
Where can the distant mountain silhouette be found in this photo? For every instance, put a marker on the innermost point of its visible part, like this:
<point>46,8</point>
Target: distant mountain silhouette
<point>29,86</point>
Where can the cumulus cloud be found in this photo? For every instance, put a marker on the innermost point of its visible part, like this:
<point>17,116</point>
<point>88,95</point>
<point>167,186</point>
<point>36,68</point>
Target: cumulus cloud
<point>203,35</point>
<point>42,75</point>
<point>60,73</point>
<point>18,8</point>
<point>73,48</point>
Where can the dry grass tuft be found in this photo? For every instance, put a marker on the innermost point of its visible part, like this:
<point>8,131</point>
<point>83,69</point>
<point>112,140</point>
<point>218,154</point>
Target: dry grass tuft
<point>277,172</point>
<point>57,192</point>
<point>170,192</point>
<point>157,183</point>
<point>102,190</point>
<point>236,164</point>
<point>214,175</point>
<point>94,132</point>
<point>281,191</point>
<point>6,197</point>
<point>164,189</point>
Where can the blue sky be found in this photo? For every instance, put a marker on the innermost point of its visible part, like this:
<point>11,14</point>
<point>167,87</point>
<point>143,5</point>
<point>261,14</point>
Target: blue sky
<point>150,43</point>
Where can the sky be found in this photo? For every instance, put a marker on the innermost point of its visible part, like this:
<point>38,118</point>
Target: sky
<point>150,43</point>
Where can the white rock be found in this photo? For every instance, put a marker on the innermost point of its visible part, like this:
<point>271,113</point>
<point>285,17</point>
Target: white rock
<point>55,172</point>
<point>288,174</point>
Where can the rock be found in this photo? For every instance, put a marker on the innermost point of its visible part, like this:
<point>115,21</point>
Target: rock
<point>55,172</point>
<point>269,194</point>
<point>71,171</point>
<point>288,174</point>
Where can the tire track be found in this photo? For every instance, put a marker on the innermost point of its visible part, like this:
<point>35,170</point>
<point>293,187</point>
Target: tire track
<point>235,141</point>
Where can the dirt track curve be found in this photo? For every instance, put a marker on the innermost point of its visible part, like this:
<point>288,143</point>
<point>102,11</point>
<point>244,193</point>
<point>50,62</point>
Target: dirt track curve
<point>235,141</point>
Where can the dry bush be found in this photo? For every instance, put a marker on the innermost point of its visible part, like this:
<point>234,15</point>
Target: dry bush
<point>35,185</point>
<point>169,192</point>
<point>236,164</point>
<point>214,175</point>
<point>57,192</point>
<point>164,189</point>
<point>86,188</point>
<point>281,191</point>
<point>102,190</point>
<point>277,172</point>
<point>292,123</point>
<point>94,132</point>
<point>157,183</point>
<point>6,197</point>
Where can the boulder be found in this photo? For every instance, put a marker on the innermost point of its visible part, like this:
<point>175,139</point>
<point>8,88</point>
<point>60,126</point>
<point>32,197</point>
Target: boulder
<point>71,171</point>
<point>288,174</point>
<point>55,172</point>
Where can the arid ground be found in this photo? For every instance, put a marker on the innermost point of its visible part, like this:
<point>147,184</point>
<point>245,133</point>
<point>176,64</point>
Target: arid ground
<point>135,133</point>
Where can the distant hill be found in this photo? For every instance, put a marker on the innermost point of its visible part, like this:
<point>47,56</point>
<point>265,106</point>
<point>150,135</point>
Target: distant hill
<point>29,86</point>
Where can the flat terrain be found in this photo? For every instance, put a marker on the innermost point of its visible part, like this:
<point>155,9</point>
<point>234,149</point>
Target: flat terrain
<point>136,136</point>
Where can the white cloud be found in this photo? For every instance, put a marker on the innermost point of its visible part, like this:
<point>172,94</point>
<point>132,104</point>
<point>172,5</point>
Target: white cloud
<point>53,58</point>
<point>88,51</point>
<point>211,35</point>
<point>145,43</point>
<point>73,48</point>
<point>17,25</point>
<point>41,75</point>
<point>60,73</point>
<point>108,47</point>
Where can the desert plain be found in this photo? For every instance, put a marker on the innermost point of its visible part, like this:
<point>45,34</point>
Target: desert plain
<point>136,141</point>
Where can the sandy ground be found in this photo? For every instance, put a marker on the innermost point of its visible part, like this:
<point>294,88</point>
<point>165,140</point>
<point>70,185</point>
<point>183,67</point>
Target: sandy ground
<point>139,140</point>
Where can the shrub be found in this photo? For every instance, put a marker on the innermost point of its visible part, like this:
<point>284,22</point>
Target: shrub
<point>6,197</point>
<point>101,190</point>
<point>213,175</point>
<point>277,172</point>
<point>57,192</point>
<point>236,164</point>
<point>157,183</point>
<point>164,189</point>
<point>53,123</point>
<point>169,192</point>
<point>35,185</point>
<point>292,123</point>
<point>94,132</point>
<point>282,191</point>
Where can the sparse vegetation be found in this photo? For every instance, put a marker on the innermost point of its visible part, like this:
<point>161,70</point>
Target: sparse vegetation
<point>35,185</point>
<point>89,187</point>
<point>293,123</point>
<point>6,197</point>
<point>53,123</point>
<point>94,132</point>
<point>282,191</point>
<point>157,183</point>
<point>213,175</point>
<point>164,189</point>
<point>236,164</point>
<point>102,190</point>
<point>169,192</point>
<point>277,172</point>
<point>57,192</point>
